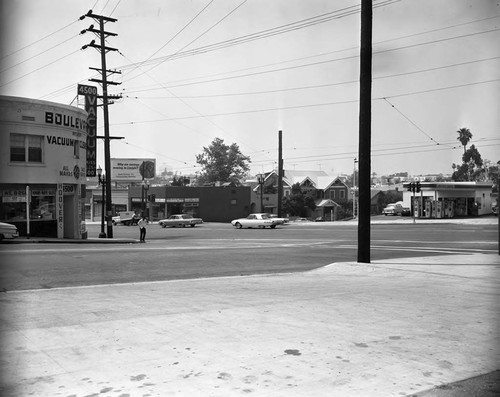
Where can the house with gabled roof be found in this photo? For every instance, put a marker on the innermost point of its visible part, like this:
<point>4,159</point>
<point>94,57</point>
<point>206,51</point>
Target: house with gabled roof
<point>329,191</point>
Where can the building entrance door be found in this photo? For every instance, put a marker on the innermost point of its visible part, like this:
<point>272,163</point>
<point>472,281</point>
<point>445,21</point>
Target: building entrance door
<point>69,216</point>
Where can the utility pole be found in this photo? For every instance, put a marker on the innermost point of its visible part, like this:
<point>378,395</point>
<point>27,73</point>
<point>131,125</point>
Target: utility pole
<point>365,97</point>
<point>102,35</point>
<point>280,173</point>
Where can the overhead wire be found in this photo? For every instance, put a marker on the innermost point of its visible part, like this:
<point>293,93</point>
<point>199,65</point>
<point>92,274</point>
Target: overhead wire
<point>40,39</point>
<point>342,50</point>
<point>306,105</point>
<point>331,84</point>
<point>199,36</point>
<point>267,33</point>
<point>40,68</point>
<point>411,121</point>
<point>40,53</point>
<point>137,65</point>
<point>316,63</point>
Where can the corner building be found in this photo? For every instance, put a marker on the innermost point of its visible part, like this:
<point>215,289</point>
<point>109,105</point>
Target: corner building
<point>43,167</point>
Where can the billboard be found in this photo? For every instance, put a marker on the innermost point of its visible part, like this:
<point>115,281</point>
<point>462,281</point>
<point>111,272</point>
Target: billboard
<point>132,170</point>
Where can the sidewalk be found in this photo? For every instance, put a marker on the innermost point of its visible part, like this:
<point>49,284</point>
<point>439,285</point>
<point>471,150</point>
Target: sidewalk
<point>389,328</point>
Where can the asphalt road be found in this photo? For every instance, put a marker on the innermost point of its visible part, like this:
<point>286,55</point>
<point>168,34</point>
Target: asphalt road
<point>213,250</point>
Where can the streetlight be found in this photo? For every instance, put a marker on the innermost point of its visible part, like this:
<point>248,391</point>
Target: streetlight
<point>354,189</point>
<point>145,188</point>
<point>102,181</point>
<point>260,178</point>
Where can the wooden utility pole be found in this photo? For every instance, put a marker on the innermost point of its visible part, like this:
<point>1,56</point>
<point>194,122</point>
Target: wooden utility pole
<point>280,173</point>
<point>103,49</point>
<point>365,97</point>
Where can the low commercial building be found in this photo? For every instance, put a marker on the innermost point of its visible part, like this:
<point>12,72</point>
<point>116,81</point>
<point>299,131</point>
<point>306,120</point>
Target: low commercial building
<point>212,204</point>
<point>43,167</point>
<point>449,199</point>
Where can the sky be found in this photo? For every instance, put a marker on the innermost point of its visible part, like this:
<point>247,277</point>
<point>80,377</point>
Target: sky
<point>242,70</point>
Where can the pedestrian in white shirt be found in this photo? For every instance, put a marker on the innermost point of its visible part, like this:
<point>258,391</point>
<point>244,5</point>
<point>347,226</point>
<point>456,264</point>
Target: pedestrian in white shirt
<point>142,227</point>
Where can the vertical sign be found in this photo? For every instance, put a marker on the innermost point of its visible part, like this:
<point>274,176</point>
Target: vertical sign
<point>90,94</point>
<point>60,210</point>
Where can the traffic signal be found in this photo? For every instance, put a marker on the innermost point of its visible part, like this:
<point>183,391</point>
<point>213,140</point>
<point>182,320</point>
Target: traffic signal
<point>410,187</point>
<point>417,187</point>
<point>153,198</point>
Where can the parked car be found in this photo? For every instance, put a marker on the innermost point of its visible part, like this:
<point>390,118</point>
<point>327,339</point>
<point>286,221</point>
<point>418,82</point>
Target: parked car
<point>277,219</point>
<point>180,220</point>
<point>126,218</point>
<point>393,209</point>
<point>8,231</point>
<point>406,211</point>
<point>259,220</point>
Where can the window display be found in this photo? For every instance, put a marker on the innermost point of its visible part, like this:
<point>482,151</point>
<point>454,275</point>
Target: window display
<point>42,204</point>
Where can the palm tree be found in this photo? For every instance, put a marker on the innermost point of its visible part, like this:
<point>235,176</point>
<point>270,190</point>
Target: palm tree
<point>464,136</point>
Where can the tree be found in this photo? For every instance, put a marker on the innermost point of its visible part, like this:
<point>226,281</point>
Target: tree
<point>222,163</point>
<point>471,168</point>
<point>180,181</point>
<point>299,201</point>
<point>464,136</point>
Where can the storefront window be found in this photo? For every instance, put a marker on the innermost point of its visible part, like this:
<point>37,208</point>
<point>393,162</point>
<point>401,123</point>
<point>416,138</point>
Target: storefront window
<point>42,206</point>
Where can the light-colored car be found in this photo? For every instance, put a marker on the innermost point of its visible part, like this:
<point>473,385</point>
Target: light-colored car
<point>393,209</point>
<point>180,220</point>
<point>259,220</point>
<point>8,231</point>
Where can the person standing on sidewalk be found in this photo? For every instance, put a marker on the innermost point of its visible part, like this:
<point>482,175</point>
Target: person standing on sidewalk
<point>142,227</point>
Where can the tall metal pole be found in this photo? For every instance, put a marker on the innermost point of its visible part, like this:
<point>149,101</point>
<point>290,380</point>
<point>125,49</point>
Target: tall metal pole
<point>365,94</point>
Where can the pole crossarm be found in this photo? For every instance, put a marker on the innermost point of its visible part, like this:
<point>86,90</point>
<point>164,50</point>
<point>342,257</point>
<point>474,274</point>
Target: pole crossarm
<point>107,82</point>
<point>90,14</point>
<point>108,71</point>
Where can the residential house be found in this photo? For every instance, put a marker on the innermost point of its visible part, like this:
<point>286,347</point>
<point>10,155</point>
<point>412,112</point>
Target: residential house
<point>329,191</point>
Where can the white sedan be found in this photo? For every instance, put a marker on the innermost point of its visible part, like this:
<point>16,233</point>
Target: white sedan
<point>258,221</point>
<point>8,231</point>
<point>180,220</point>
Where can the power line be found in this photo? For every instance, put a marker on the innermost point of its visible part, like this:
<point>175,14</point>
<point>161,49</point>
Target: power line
<point>37,41</point>
<point>40,53</point>
<point>41,67</point>
<point>304,106</point>
<point>439,89</point>
<point>333,52</point>
<point>60,91</point>
<point>318,63</point>
<point>138,65</point>
<point>411,121</point>
<point>265,33</point>
<point>329,84</point>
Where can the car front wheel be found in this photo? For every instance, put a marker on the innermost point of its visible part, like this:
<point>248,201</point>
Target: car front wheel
<point>238,225</point>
